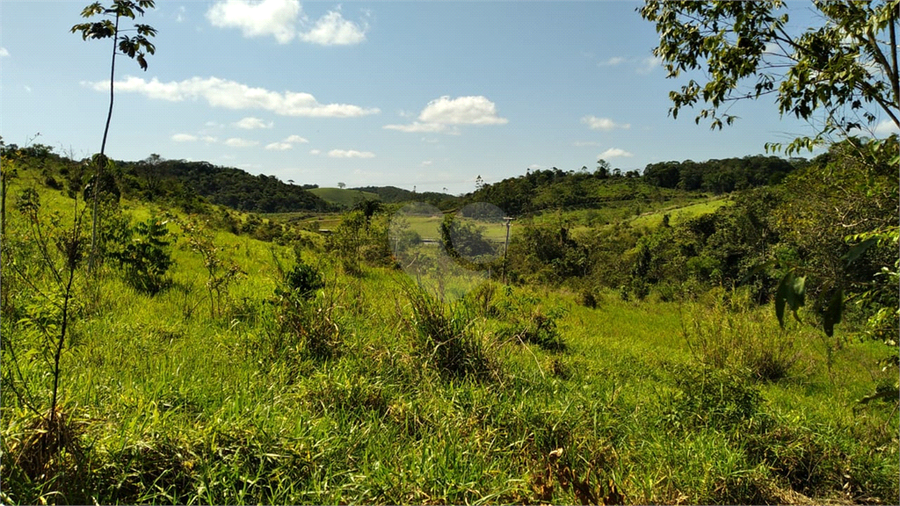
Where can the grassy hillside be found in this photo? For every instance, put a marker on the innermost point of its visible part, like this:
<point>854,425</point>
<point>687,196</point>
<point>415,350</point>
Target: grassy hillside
<point>343,197</point>
<point>258,376</point>
<point>317,371</point>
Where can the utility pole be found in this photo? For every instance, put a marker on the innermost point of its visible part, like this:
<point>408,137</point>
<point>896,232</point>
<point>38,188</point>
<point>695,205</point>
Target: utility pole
<point>506,247</point>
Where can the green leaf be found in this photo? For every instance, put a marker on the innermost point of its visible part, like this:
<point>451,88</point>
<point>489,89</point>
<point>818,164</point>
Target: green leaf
<point>857,250</point>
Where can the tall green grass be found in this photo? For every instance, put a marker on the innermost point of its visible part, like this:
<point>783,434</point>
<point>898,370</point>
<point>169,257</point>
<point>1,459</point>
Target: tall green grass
<point>419,400</point>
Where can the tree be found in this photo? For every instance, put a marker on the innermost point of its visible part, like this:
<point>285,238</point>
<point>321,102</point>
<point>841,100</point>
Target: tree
<point>846,68</point>
<point>603,168</point>
<point>342,185</point>
<point>133,47</point>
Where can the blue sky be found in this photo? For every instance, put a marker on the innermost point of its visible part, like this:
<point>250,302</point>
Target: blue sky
<point>424,94</point>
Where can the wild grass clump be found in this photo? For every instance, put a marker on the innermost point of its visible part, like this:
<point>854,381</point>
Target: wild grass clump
<point>730,334</point>
<point>445,337</point>
<point>712,398</point>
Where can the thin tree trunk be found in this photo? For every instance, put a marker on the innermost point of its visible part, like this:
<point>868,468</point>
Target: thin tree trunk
<point>92,264</point>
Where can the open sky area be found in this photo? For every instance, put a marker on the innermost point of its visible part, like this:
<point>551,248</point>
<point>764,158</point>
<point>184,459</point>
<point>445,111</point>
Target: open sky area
<point>425,94</point>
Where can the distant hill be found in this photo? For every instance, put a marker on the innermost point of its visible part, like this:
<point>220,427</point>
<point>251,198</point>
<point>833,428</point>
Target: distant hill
<point>342,197</point>
<point>543,190</point>
<point>226,186</point>
<point>392,194</point>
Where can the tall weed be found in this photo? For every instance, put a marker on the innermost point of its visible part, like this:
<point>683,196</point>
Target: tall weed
<point>731,334</point>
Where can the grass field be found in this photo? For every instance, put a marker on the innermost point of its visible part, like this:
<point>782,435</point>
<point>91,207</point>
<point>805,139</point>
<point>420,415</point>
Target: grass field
<point>373,391</point>
<point>342,197</point>
<point>678,214</point>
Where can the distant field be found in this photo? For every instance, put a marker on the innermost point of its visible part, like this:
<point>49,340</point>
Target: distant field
<point>341,197</point>
<point>680,214</point>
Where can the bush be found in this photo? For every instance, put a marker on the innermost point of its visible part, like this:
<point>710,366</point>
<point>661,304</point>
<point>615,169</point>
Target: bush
<point>730,335</point>
<point>303,280</point>
<point>142,253</point>
<point>445,338</point>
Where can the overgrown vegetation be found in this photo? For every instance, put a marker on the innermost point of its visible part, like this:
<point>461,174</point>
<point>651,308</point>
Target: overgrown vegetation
<point>630,355</point>
<point>258,372</point>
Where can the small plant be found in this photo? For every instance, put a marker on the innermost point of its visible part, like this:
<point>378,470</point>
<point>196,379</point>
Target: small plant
<point>303,280</point>
<point>445,338</point>
<point>143,255</point>
<point>730,335</point>
<point>45,261</point>
<point>221,272</point>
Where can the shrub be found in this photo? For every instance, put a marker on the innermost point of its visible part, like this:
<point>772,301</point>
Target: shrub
<point>445,338</point>
<point>304,280</point>
<point>730,335</point>
<point>143,256</point>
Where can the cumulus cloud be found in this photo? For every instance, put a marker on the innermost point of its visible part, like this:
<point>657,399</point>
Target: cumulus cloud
<point>277,18</point>
<point>615,153</point>
<point>461,111</point>
<point>251,123</point>
<point>3,52</point>
<point>237,142</point>
<point>605,124</point>
<point>233,95</point>
<point>315,151</point>
<point>296,139</point>
<point>184,138</point>
<point>581,144</point>
<point>333,30</point>
<point>281,18</point>
<point>442,112</point>
<point>210,139</point>
<point>279,146</point>
<point>350,153</point>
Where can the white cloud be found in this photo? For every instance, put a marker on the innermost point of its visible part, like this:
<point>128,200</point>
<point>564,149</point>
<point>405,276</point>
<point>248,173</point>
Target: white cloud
<point>615,153</point>
<point>280,19</point>
<point>315,151</point>
<point>615,60</point>
<point>179,16</point>
<point>237,142</point>
<point>417,127</point>
<point>233,95</point>
<point>648,64</point>
<point>27,88</point>
<point>462,111</point>
<point>605,124</point>
<point>279,146</point>
<point>886,127</point>
<point>444,111</point>
<point>277,18</point>
<point>333,30</point>
<point>581,144</point>
<point>251,123</point>
<point>210,139</point>
<point>184,138</point>
<point>3,52</point>
<point>350,153</point>
<point>296,139</point>
<point>535,166</point>
<point>426,163</point>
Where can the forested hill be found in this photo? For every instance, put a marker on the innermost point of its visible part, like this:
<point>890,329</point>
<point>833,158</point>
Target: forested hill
<point>392,194</point>
<point>555,189</point>
<point>235,188</point>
